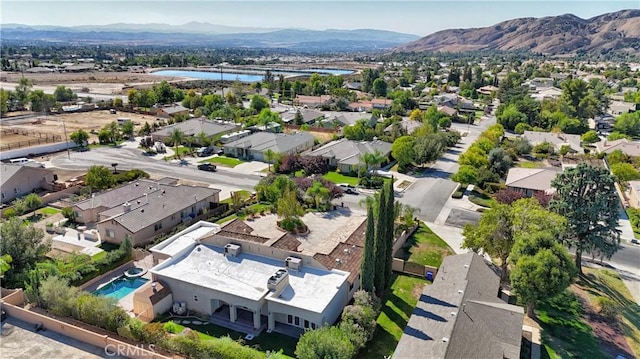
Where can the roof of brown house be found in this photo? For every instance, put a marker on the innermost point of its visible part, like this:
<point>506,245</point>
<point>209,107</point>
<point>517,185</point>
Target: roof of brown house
<point>357,237</point>
<point>156,295</point>
<point>344,257</point>
<point>287,242</point>
<point>245,236</point>
<point>240,230</point>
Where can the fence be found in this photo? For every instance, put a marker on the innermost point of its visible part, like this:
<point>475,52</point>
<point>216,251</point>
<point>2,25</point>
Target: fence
<point>10,304</point>
<point>6,154</point>
<point>413,268</point>
<point>37,138</point>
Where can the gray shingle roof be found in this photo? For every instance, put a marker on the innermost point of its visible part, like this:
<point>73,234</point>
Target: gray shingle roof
<point>349,152</point>
<point>8,170</point>
<point>308,115</point>
<point>119,195</point>
<point>556,139</point>
<point>194,126</point>
<point>157,205</point>
<point>538,179</point>
<point>277,142</point>
<point>460,315</point>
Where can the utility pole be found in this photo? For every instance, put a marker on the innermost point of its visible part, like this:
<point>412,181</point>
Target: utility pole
<point>64,126</point>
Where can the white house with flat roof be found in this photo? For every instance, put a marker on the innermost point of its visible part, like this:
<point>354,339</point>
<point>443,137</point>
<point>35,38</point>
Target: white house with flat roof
<point>250,282</point>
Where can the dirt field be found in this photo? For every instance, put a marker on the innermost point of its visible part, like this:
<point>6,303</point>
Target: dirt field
<point>51,127</point>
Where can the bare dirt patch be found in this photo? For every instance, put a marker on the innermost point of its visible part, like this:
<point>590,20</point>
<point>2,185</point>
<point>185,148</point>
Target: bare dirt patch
<point>608,333</point>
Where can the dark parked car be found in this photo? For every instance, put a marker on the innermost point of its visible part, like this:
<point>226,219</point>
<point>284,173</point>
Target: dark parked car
<point>207,167</point>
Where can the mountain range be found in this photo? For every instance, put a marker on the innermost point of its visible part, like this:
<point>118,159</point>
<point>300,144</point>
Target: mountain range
<point>205,34</point>
<point>564,34</point>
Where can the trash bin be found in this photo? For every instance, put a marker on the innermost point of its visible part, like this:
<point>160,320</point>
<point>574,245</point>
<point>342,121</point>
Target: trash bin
<point>430,276</point>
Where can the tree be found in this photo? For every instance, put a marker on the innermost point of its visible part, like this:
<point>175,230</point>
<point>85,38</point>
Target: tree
<point>269,155</point>
<point>373,160</point>
<point>380,87</point>
<point>624,172</point>
<point>63,94</point>
<point>403,150</point>
<point>429,147</point>
<point>542,268</point>
<point>32,201</point>
<point>23,89</point>
<point>318,192</point>
<point>259,103</point>
<point>25,245</point>
<point>80,137</point>
<point>298,119</point>
<point>389,222</point>
<point>4,101</point>
<point>5,264</point>
<point>288,205</point>
<point>617,156</point>
<point>99,177</point>
<point>40,101</point>
<point>466,174</point>
<point>628,124</point>
<point>326,342</point>
<point>498,227</point>
<point>499,161</point>
<point>368,269</point>
<point>510,117</point>
<point>176,136</point>
<point>587,197</point>
<point>590,137</point>
<point>127,129</point>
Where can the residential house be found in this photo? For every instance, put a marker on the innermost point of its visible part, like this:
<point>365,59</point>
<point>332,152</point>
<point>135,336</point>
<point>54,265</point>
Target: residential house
<point>361,106</point>
<point>556,139</point>
<point>407,125</point>
<point>309,116</point>
<point>355,86</point>
<point>450,100</point>
<point>538,83</point>
<point>532,181</point>
<point>19,180</point>
<point>171,110</point>
<point>346,155</point>
<point>381,103</point>
<point>634,194</point>
<point>144,208</point>
<point>255,145</point>
<point>629,148</point>
<point>194,127</point>
<point>620,107</point>
<point>344,119</point>
<point>267,127</point>
<point>255,280</point>
<point>313,101</point>
<point>603,122</point>
<point>461,316</point>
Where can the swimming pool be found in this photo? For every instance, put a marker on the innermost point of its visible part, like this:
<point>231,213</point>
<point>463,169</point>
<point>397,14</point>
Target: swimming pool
<point>121,287</point>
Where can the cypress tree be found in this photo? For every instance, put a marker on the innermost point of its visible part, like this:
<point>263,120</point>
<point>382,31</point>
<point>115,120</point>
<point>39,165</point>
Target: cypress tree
<point>368,270</point>
<point>389,234</point>
<point>380,278</point>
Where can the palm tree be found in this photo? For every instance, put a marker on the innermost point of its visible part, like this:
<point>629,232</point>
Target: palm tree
<point>318,192</point>
<point>203,138</point>
<point>269,155</point>
<point>373,159</point>
<point>176,136</point>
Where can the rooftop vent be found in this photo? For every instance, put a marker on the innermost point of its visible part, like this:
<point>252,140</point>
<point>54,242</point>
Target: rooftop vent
<point>445,339</point>
<point>126,206</point>
<point>277,282</point>
<point>293,263</point>
<point>232,250</point>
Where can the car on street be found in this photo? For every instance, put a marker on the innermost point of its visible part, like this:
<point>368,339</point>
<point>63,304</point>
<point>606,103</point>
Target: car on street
<point>207,167</point>
<point>635,241</point>
<point>347,188</point>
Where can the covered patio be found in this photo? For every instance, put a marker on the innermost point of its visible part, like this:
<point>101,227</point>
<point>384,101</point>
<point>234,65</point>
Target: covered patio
<point>244,320</point>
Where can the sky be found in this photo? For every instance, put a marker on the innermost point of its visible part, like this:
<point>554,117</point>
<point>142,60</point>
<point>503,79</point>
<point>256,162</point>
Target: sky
<point>419,17</point>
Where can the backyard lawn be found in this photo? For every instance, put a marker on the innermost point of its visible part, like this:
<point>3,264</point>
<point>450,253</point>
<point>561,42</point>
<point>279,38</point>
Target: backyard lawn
<point>425,247</point>
<point>394,316</point>
<point>567,334</point>
<point>224,161</point>
<point>477,196</point>
<point>338,178</point>
<point>263,342</point>
<point>529,164</point>
<point>48,211</point>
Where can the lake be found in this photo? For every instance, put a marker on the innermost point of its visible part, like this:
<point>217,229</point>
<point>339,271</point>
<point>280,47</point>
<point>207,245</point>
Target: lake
<point>232,76</point>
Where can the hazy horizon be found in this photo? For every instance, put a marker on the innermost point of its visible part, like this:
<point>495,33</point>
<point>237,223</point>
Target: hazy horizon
<point>413,17</point>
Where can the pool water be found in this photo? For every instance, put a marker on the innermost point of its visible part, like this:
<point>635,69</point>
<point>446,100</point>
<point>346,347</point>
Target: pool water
<point>121,287</point>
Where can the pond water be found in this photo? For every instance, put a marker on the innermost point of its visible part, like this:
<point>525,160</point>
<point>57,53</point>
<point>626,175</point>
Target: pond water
<point>253,77</point>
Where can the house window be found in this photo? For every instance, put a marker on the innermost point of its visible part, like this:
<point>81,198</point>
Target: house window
<point>2,195</point>
<point>157,226</point>
<point>15,191</point>
<point>77,214</point>
<point>297,321</point>
<point>110,233</point>
<point>306,323</point>
<point>289,318</point>
<point>313,325</point>
<point>195,298</point>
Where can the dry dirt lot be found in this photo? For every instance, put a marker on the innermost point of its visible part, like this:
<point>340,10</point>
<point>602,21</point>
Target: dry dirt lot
<point>44,128</point>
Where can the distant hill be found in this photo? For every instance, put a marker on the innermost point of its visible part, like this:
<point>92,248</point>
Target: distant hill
<point>564,34</point>
<point>195,33</point>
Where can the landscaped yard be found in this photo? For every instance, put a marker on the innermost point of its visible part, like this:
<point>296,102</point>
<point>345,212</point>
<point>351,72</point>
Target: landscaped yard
<point>425,247</point>
<point>338,178</point>
<point>567,334</point>
<point>48,211</point>
<point>394,316</point>
<point>224,161</point>
<point>480,198</point>
<point>529,164</point>
<point>244,194</point>
<point>265,341</point>
<point>182,151</point>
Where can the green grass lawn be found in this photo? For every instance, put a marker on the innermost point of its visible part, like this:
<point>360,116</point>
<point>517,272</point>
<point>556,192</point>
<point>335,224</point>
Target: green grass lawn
<point>244,194</point>
<point>99,256</point>
<point>529,164</point>
<point>48,211</point>
<point>338,178</point>
<point>265,341</point>
<point>224,161</point>
<point>425,247</point>
<point>565,334</point>
<point>397,309</point>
